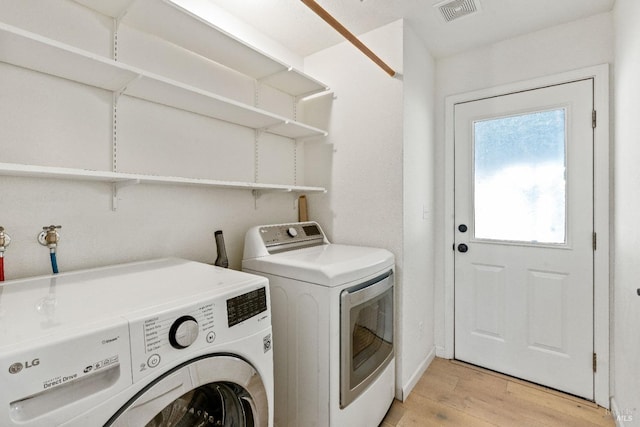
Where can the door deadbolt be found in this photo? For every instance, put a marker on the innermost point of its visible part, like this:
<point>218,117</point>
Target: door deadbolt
<point>462,228</point>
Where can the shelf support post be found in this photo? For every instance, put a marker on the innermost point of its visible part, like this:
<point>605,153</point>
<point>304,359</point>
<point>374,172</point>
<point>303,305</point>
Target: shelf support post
<point>256,165</point>
<point>116,26</point>
<point>295,162</point>
<point>295,101</point>
<point>114,131</point>
<point>256,153</point>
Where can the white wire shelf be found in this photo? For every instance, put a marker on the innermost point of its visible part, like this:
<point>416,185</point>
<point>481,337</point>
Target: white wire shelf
<point>35,52</point>
<point>123,179</point>
<point>191,25</point>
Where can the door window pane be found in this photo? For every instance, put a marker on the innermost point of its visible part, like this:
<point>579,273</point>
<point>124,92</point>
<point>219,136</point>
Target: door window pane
<point>519,178</point>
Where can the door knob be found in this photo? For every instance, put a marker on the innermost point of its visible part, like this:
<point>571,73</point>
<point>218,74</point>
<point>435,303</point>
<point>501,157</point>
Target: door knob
<point>463,248</point>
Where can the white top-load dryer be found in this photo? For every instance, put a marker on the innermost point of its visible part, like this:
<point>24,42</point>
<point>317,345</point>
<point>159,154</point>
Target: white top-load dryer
<point>145,344</point>
<point>332,308</point>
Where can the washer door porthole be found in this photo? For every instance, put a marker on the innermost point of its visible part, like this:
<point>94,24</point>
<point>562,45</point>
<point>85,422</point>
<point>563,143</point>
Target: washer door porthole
<point>211,405</point>
<point>220,391</point>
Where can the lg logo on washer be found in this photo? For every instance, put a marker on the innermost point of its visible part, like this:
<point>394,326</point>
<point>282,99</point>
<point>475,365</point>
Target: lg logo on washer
<point>18,366</point>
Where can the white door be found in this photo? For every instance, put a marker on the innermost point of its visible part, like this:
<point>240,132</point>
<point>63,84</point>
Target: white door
<point>524,235</point>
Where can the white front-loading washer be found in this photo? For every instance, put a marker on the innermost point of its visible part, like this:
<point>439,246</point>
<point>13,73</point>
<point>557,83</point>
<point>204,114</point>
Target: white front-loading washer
<point>332,308</point>
<point>156,343</point>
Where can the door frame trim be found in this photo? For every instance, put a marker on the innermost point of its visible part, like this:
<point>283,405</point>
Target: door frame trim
<point>601,213</point>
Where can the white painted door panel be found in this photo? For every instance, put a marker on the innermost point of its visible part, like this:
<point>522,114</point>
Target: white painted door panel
<point>524,287</point>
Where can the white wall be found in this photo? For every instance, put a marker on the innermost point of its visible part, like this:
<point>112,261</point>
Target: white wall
<point>626,311</point>
<point>55,122</point>
<point>364,147</point>
<point>377,164</point>
<point>416,315</point>
<point>566,47</point>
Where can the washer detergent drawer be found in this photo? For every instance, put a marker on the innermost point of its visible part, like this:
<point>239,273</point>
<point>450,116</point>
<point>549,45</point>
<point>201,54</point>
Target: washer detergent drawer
<point>40,383</point>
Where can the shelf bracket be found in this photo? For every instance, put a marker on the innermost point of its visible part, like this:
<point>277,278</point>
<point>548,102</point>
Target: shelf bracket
<point>311,137</point>
<point>118,93</point>
<point>124,12</point>
<point>262,130</point>
<point>259,193</point>
<point>316,94</point>
<point>116,186</point>
<point>256,195</point>
<point>277,73</point>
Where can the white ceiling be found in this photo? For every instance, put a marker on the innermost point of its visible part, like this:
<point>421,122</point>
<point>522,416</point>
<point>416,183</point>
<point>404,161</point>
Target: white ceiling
<point>296,27</point>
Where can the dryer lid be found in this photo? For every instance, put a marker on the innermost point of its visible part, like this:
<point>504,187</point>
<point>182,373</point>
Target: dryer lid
<point>328,265</point>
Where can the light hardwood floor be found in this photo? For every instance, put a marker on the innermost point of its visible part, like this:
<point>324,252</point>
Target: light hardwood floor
<point>452,393</point>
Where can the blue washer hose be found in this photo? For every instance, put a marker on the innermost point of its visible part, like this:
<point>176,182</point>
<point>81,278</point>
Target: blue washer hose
<point>54,261</point>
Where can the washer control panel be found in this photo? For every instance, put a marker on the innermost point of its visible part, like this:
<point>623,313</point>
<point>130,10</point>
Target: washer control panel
<point>278,238</point>
<point>163,338</point>
<point>183,332</point>
<point>246,306</point>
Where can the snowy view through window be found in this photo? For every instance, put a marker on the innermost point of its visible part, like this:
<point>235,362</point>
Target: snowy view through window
<point>519,183</point>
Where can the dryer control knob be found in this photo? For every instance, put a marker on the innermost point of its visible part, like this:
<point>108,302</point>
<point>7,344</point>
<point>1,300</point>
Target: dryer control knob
<point>292,232</point>
<point>183,332</point>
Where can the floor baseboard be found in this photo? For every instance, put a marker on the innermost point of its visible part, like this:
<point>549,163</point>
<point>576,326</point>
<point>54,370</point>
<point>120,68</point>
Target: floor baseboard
<point>406,388</point>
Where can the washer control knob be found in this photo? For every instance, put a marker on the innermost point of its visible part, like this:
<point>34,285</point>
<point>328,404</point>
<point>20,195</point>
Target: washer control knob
<point>292,232</point>
<point>183,332</point>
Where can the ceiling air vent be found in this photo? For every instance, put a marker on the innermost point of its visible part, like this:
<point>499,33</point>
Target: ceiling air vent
<point>454,9</point>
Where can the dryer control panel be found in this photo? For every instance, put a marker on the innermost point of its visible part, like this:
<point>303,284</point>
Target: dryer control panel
<point>284,237</point>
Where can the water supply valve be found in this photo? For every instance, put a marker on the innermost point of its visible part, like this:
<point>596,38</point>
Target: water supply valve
<point>49,236</point>
<point>5,240</point>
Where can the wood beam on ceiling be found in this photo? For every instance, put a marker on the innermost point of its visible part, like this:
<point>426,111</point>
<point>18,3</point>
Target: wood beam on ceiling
<point>329,19</point>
